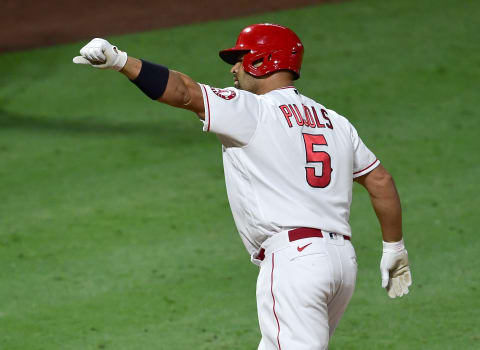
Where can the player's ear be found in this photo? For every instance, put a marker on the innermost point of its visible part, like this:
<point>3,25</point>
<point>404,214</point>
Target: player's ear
<point>257,63</point>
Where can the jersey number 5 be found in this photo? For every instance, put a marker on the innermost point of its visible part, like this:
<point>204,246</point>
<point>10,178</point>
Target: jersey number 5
<point>315,156</point>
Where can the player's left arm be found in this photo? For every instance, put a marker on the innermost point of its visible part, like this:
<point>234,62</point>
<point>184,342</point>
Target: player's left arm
<point>385,201</point>
<point>158,82</point>
<point>367,170</point>
<point>394,265</point>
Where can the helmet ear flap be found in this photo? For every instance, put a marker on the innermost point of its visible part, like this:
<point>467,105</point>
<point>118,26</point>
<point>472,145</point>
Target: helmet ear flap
<point>257,64</point>
<point>262,63</point>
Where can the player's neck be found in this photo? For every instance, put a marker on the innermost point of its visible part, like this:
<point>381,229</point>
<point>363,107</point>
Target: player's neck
<point>275,81</point>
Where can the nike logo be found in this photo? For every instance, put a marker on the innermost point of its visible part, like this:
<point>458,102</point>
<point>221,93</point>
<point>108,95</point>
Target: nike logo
<point>302,248</point>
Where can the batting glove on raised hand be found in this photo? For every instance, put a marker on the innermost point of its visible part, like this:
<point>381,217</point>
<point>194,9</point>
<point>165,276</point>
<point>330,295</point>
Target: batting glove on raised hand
<point>99,53</point>
<point>396,276</point>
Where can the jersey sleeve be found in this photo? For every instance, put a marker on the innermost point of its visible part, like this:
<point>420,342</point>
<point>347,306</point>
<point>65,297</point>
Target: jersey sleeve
<point>364,161</point>
<point>230,113</point>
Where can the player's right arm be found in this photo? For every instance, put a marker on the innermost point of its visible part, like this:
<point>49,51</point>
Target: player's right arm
<point>235,113</point>
<point>181,90</point>
<point>168,86</point>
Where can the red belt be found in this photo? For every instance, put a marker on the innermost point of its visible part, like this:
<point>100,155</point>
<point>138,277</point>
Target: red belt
<point>299,233</point>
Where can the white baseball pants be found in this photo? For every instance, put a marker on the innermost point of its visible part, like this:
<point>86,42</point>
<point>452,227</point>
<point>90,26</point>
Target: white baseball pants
<point>303,289</point>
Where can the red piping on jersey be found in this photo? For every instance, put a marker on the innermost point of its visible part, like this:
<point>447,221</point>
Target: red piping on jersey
<point>206,94</point>
<point>286,87</point>
<point>273,297</point>
<point>366,167</point>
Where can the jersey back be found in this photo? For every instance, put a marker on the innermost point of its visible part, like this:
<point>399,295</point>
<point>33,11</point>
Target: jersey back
<point>289,162</point>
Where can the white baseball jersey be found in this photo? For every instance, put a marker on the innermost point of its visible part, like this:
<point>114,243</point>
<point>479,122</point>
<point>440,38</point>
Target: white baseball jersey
<point>289,162</point>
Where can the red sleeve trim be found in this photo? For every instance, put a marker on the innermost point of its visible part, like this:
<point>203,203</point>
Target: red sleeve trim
<point>357,172</point>
<point>208,103</point>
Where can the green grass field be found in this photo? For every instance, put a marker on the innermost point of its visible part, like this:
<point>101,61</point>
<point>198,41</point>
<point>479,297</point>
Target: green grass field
<point>115,230</point>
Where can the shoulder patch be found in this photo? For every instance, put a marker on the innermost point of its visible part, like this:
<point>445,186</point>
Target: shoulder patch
<point>226,94</point>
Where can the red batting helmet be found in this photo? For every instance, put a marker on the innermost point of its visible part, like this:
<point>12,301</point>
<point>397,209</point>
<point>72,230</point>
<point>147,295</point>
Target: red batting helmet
<point>275,46</point>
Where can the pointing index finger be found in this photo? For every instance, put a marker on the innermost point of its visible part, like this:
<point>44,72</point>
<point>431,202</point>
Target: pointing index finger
<point>80,60</point>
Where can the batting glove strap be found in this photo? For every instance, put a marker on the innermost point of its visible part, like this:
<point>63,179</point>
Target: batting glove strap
<point>119,59</point>
<point>393,246</point>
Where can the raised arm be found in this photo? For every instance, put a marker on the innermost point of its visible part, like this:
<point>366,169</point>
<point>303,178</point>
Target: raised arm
<point>394,266</point>
<point>158,82</point>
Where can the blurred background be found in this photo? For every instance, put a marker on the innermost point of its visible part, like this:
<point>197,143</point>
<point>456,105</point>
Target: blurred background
<point>115,229</point>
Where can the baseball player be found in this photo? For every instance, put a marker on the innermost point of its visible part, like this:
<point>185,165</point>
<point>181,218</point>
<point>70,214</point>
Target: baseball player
<point>289,163</point>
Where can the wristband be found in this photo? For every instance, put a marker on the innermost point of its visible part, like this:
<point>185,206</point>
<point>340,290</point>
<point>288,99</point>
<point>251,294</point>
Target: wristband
<point>393,246</point>
<point>152,80</point>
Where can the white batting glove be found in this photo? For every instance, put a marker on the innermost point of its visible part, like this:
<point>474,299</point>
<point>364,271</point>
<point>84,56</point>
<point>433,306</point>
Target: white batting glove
<point>396,276</point>
<point>99,53</point>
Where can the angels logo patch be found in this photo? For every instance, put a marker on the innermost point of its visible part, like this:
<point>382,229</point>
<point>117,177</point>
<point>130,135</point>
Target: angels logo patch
<point>226,94</point>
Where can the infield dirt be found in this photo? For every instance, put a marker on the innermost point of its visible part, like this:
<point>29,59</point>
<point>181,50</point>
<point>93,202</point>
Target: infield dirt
<point>27,24</point>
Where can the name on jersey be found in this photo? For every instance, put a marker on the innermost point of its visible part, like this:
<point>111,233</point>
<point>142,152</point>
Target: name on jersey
<point>292,112</point>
